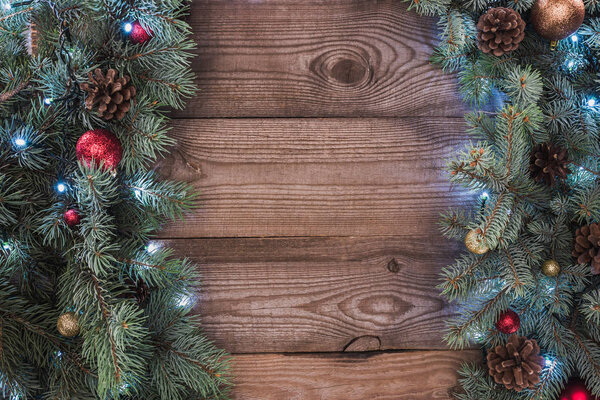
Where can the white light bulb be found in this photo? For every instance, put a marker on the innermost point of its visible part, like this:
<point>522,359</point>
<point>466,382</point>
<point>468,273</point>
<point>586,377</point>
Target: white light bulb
<point>61,187</point>
<point>485,195</point>
<point>549,361</point>
<point>20,142</point>
<point>574,38</point>
<point>591,102</point>
<point>138,193</point>
<point>152,247</point>
<point>6,246</point>
<point>571,64</point>
<point>185,301</point>
<point>7,6</point>
<point>127,27</point>
<point>48,101</point>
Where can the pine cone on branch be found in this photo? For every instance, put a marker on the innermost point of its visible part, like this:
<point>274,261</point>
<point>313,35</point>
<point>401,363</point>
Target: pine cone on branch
<point>138,290</point>
<point>548,162</point>
<point>111,95</point>
<point>516,365</point>
<point>587,246</point>
<point>499,31</point>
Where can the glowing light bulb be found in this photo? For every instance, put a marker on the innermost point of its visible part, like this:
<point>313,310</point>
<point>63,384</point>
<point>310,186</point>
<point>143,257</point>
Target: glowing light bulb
<point>185,301</point>
<point>485,195</point>
<point>152,247</point>
<point>571,64</point>
<point>574,38</point>
<point>6,246</point>
<point>61,187</point>
<point>7,6</point>
<point>591,102</point>
<point>127,27</point>
<point>48,101</point>
<point>138,193</point>
<point>549,361</point>
<point>20,142</point>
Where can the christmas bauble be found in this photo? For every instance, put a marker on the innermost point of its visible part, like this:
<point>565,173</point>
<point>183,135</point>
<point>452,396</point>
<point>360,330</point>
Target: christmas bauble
<point>474,245</point>
<point>508,322</point>
<point>68,324</point>
<point>138,34</point>
<point>576,390</point>
<point>72,217</point>
<point>551,268</point>
<point>557,19</point>
<point>99,145</point>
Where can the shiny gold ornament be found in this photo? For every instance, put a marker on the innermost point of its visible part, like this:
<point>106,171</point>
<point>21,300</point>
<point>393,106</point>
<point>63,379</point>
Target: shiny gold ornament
<point>551,268</point>
<point>556,19</point>
<point>474,245</point>
<point>68,324</point>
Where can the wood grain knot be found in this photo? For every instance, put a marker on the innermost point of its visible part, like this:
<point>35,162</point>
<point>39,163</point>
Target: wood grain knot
<point>343,68</point>
<point>393,266</point>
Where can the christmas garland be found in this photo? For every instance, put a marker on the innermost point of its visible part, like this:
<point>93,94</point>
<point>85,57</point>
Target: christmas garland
<point>90,307</point>
<point>528,289</point>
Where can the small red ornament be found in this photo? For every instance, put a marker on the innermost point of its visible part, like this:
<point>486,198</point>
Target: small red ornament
<point>508,322</point>
<point>99,145</point>
<point>138,34</point>
<point>576,390</point>
<point>72,217</point>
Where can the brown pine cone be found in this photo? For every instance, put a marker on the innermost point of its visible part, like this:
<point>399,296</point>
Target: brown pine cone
<point>587,244</point>
<point>138,291</point>
<point>516,365</point>
<point>548,162</point>
<point>108,93</point>
<point>500,30</point>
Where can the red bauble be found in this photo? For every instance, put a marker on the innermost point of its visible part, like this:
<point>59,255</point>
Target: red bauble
<point>72,217</point>
<point>508,322</point>
<point>576,390</point>
<point>99,145</point>
<point>138,34</point>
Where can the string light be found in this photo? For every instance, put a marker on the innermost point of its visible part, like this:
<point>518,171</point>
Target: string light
<point>48,101</point>
<point>485,195</point>
<point>61,187</point>
<point>127,27</point>
<point>7,6</point>
<point>138,193</point>
<point>20,142</point>
<point>549,361</point>
<point>591,102</point>
<point>152,247</point>
<point>6,246</point>
<point>574,38</point>
<point>185,301</point>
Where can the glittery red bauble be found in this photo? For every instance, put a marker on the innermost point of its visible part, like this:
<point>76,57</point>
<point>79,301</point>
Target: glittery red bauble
<point>72,217</point>
<point>99,145</point>
<point>508,322</point>
<point>576,390</point>
<point>138,34</point>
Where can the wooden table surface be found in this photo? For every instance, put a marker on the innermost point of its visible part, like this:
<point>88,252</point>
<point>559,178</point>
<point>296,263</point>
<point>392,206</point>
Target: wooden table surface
<point>317,142</point>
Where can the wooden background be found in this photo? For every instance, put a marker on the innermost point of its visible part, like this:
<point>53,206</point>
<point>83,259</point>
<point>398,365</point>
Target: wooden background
<point>317,141</point>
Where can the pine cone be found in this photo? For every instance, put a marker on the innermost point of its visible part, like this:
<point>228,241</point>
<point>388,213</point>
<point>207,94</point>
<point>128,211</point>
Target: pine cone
<point>587,244</point>
<point>499,31</point>
<point>516,365</point>
<point>138,291</point>
<point>548,162</point>
<point>109,93</point>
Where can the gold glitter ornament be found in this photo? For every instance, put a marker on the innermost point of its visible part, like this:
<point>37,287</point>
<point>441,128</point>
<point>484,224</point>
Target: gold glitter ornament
<point>556,19</point>
<point>68,324</point>
<point>473,244</point>
<point>551,268</point>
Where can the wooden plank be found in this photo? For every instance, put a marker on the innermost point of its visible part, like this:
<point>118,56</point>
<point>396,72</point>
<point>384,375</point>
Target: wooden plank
<point>321,294</point>
<point>298,58</point>
<point>315,177</point>
<point>392,376</point>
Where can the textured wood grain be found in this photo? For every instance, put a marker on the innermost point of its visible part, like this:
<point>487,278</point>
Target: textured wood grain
<point>298,58</point>
<point>394,376</point>
<point>321,294</point>
<point>315,177</point>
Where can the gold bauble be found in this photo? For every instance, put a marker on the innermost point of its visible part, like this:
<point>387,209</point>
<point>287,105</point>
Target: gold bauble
<point>557,19</point>
<point>68,324</point>
<point>551,268</point>
<point>474,245</point>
